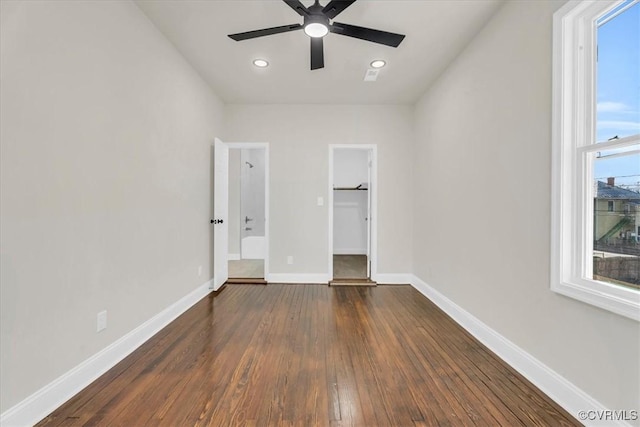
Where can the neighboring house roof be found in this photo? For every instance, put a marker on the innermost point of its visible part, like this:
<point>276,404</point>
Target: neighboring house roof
<point>612,192</point>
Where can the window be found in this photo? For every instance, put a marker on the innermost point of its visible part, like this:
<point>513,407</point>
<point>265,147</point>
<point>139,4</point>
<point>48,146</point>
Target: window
<point>595,252</point>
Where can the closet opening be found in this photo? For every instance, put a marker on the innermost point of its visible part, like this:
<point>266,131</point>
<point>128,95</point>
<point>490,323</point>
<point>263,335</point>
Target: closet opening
<point>352,216</point>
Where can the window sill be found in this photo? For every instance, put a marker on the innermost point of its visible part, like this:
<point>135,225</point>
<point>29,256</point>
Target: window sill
<point>625,302</point>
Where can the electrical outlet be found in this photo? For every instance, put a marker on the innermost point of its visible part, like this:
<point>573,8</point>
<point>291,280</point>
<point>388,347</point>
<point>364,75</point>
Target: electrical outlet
<point>290,259</point>
<point>102,320</point>
<point>199,271</point>
<point>320,201</point>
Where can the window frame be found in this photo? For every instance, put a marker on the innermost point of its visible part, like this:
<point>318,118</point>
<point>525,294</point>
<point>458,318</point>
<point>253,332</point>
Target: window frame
<point>573,150</point>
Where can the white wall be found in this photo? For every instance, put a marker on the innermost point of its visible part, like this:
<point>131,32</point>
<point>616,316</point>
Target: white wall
<point>105,182</point>
<point>483,157</point>
<point>350,167</point>
<point>349,222</point>
<point>299,162</point>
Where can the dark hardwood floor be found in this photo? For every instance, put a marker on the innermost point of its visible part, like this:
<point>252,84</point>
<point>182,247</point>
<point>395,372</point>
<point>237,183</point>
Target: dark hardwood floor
<point>311,355</point>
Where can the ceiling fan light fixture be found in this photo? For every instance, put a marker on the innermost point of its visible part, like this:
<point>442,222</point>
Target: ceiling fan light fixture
<point>261,63</point>
<point>316,29</point>
<point>378,63</point>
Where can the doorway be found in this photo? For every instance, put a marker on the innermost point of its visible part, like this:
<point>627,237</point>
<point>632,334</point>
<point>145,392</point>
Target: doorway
<point>241,213</point>
<point>352,212</point>
<point>247,212</point>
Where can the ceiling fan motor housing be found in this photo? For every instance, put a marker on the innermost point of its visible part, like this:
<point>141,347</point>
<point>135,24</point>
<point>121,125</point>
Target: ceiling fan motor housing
<point>316,17</point>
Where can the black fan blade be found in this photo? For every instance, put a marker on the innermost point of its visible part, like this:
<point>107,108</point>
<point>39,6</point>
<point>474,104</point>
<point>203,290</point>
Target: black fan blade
<point>297,6</point>
<point>265,32</point>
<point>376,36</point>
<point>334,7</point>
<point>317,53</point>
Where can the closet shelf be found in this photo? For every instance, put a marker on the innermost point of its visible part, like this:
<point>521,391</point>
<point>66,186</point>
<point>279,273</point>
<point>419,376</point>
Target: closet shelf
<point>361,187</point>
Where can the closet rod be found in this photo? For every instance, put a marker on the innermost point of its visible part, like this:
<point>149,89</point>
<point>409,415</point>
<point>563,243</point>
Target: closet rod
<point>360,187</point>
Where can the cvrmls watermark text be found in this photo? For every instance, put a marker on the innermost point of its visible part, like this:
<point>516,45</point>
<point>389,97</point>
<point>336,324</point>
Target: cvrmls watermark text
<point>608,415</point>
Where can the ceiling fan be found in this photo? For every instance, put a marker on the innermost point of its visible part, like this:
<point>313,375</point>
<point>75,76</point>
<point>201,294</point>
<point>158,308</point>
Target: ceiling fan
<point>317,24</point>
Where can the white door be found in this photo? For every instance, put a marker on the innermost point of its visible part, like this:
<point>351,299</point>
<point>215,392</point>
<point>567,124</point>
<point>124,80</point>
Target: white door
<point>220,214</point>
<point>368,218</point>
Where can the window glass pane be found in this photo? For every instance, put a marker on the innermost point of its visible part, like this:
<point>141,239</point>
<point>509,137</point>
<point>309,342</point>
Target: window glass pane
<point>616,220</point>
<point>618,70</point>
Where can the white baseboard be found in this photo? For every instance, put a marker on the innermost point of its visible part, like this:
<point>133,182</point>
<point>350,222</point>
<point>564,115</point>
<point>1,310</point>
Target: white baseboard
<point>298,278</point>
<point>233,257</point>
<point>393,279</point>
<point>350,251</point>
<point>44,401</point>
<point>558,388</point>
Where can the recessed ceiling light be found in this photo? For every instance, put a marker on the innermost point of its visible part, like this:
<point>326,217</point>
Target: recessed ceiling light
<point>260,63</point>
<point>378,63</point>
<point>316,29</point>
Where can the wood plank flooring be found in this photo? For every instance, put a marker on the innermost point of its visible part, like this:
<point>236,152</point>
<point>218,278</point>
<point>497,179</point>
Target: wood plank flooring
<point>311,355</point>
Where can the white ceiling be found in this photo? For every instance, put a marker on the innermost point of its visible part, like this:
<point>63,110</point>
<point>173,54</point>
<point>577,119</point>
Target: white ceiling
<point>436,31</point>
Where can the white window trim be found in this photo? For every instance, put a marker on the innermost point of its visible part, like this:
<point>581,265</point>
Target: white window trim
<point>573,130</point>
